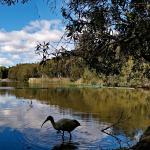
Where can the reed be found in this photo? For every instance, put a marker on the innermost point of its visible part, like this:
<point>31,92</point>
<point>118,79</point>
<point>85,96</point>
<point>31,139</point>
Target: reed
<point>49,80</point>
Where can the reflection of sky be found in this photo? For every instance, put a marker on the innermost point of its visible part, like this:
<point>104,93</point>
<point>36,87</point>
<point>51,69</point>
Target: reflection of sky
<point>20,124</point>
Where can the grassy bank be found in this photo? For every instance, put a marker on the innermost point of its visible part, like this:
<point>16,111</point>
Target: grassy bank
<point>95,83</point>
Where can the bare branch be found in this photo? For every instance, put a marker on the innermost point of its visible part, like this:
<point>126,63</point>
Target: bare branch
<point>113,125</point>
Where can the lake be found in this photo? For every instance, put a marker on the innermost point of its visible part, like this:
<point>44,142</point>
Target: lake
<point>23,109</point>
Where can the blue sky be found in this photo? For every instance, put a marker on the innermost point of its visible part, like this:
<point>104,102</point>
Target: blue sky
<point>23,25</point>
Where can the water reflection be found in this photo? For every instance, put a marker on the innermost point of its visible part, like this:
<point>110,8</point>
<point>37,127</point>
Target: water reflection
<point>66,145</point>
<point>22,112</point>
<point>103,104</point>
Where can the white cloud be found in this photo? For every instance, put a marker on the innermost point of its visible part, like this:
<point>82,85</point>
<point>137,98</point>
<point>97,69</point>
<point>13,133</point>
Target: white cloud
<point>5,61</point>
<point>18,46</point>
<point>14,57</point>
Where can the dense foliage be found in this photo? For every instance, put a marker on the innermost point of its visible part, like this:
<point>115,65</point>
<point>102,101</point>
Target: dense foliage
<point>109,35</point>
<point>23,72</point>
<point>108,32</point>
<point>3,72</point>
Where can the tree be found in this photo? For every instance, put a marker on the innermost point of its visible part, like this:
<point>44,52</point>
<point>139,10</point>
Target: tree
<point>101,27</point>
<point>110,23</point>
<point>3,72</point>
<point>22,72</point>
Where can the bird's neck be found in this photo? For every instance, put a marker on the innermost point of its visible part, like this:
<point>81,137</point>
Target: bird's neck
<point>53,123</point>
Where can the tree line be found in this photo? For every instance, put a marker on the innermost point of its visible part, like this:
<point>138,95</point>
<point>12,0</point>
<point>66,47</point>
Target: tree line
<point>130,73</point>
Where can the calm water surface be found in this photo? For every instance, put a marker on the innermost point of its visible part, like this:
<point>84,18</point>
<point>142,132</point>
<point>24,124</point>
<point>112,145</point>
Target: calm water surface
<point>23,110</point>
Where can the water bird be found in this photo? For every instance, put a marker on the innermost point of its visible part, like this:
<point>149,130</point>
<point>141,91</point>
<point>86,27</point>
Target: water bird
<point>63,124</point>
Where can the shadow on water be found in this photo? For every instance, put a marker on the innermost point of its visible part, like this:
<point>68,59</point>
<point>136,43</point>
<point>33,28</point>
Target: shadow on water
<point>66,145</point>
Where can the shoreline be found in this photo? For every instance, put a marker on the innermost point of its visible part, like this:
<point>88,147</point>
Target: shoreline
<point>65,82</point>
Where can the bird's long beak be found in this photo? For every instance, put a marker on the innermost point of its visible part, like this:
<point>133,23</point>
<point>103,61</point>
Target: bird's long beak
<point>44,122</point>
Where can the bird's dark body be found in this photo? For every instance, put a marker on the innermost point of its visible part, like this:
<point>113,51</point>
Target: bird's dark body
<point>63,124</point>
<point>66,125</point>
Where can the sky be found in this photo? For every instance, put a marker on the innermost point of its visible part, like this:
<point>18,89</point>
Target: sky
<point>22,26</point>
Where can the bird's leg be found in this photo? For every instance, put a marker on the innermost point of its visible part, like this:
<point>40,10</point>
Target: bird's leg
<point>62,133</point>
<point>63,136</point>
<point>70,136</point>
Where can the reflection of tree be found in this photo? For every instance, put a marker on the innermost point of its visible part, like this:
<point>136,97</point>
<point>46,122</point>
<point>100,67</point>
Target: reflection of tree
<point>103,104</point>
<point>105,130</point>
